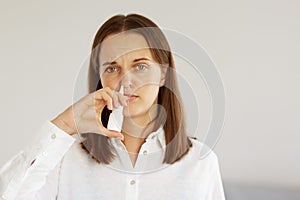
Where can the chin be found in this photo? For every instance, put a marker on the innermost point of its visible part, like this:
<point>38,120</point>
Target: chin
<point>134,111</point>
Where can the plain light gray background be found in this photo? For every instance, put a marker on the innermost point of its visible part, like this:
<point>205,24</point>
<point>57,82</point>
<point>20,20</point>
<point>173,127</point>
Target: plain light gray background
<point>255,45</point>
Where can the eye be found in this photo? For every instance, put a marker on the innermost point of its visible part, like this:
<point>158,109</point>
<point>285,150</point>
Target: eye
<point>111,69</point>
<point>141,67</point>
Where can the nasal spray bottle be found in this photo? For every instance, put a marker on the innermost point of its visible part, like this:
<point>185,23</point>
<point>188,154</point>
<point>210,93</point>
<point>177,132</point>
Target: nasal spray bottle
<point>115,120</point>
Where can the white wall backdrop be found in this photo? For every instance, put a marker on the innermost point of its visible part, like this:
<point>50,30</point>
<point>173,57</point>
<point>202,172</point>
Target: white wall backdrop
<point>255,45</point>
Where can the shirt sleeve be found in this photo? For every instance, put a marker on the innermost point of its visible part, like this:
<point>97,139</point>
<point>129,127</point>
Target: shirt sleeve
<point>33,173</point>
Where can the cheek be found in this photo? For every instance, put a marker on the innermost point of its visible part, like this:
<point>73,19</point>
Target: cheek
<point>149,94</point>
<point>150,77</point>
<point>109,83</point>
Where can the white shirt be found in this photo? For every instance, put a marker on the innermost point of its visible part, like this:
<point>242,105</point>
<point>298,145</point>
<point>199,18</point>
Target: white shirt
<point>63,170</point>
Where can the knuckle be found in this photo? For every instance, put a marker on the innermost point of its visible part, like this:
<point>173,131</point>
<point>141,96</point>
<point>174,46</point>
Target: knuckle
<point>107,89</point>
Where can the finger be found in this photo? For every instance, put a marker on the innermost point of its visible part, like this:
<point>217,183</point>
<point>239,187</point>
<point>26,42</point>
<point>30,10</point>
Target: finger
<point>98,93</point>
<point>118,98</point>
<point>111,133</point>
<point>122,99</point>
<point>99,105</point>
<point>112,94</point>
<point>109,91</point>
<point>108,100</point>
<point>115,100</point>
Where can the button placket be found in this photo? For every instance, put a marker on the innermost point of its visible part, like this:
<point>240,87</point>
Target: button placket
<point>132,182</point>
<point>132,187</point>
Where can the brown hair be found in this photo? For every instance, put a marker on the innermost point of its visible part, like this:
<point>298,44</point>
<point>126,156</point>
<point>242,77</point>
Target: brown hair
<point>177,141</point>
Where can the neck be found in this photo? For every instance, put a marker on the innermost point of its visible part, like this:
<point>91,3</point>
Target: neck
<point>136,130</point>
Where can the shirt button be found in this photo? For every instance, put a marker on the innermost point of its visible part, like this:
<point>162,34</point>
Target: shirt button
<point>145,152</point>
<point>153,137</point>
<point>53,136</point>
<point>132,182</point>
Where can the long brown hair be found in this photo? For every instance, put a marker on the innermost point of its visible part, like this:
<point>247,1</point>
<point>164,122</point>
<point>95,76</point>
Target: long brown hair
<point>177,141</point>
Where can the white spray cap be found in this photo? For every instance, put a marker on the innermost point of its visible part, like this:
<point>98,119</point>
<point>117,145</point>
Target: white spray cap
<point>115,120</point>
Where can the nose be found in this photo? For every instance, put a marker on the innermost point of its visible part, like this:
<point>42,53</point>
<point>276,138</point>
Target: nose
<point>126,80</point>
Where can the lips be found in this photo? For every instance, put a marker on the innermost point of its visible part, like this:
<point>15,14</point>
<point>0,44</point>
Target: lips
<point>131,96</point>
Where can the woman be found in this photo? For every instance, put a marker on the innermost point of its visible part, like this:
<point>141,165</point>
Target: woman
<point>69,160</point>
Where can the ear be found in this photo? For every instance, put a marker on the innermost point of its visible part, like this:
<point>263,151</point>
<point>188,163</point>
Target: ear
<point>164,71</point>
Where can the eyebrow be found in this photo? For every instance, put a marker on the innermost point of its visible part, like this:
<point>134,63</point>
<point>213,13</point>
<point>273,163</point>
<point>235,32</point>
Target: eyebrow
<point>135,60</point>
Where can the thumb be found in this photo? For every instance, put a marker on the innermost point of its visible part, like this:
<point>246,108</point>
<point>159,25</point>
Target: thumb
<point>112,134</point>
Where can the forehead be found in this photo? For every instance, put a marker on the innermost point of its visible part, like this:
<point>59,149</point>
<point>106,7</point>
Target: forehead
<point>129,45</point>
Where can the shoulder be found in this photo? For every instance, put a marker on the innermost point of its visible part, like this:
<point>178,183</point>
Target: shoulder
<point>202,152</point>
<point>76,153</point>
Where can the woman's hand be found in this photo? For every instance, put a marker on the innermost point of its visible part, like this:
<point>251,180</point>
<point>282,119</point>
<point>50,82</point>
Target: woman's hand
<point>85,115</point>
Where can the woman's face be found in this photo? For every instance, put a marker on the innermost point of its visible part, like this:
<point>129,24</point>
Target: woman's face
<point>125,59</point>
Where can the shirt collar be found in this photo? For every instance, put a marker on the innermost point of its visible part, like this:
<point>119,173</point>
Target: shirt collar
<point>158,134</point>
<point>154,146</point>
